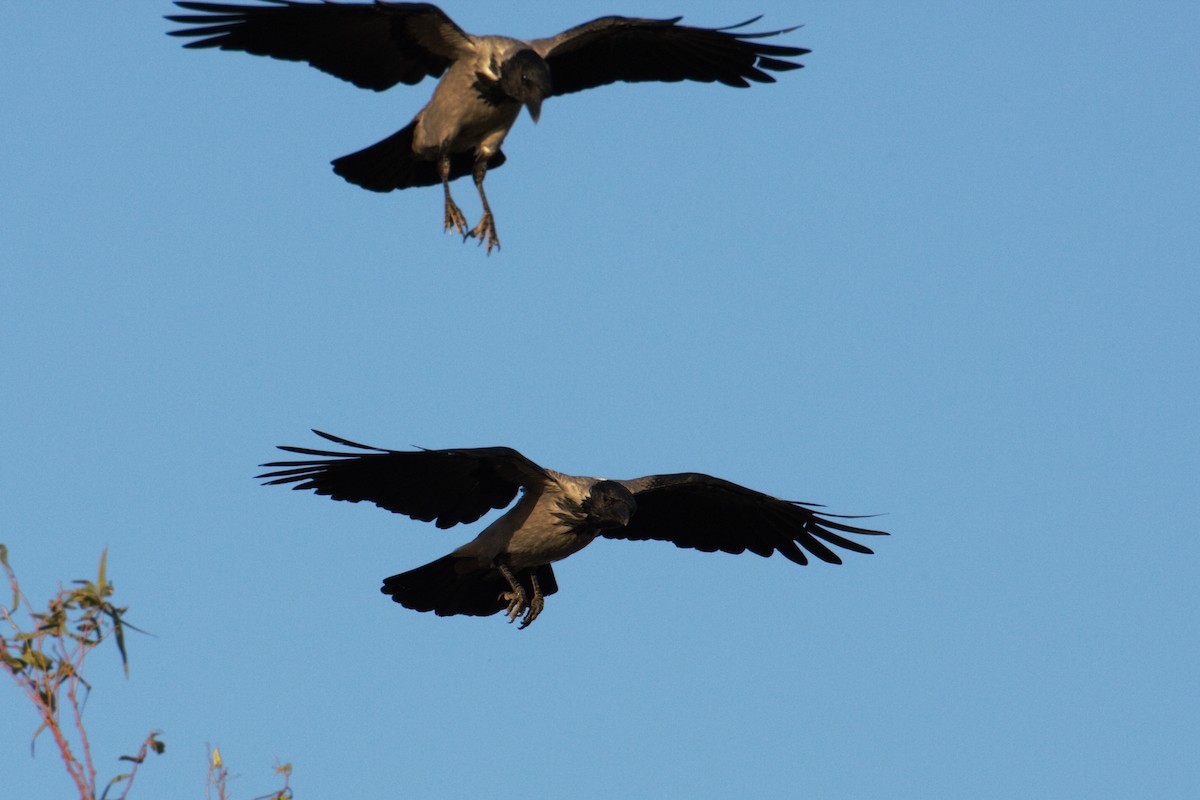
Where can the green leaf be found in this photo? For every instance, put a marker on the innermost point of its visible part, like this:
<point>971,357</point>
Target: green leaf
<point>114,782</point>
<point>120,632</point>
<point>14,664</point>
<point>49,701</point>
<point>12,578</point>
<point>103,561</point>
<point>38,660</point>
<point>37,733</point>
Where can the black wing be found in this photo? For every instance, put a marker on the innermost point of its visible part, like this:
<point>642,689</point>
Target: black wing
<point>613,49</point>
<point>446,486</point>
<point>374,46</point>
<point>710,514</point>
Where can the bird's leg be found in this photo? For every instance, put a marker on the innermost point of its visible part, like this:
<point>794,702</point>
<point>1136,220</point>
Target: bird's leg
<point>535,605</point>
<point>486,229</point>
<point>454,216</point>
<point>516,598</point>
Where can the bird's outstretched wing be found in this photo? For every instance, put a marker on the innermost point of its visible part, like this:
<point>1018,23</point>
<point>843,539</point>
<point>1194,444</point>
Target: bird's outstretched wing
<point>442,486</point>
<point>710,514</point>
<point>613,49</point>
<point>372,45</point>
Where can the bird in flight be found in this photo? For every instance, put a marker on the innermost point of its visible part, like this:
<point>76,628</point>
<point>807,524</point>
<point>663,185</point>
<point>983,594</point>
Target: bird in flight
<point>507,566</point>
<point>485,80</point>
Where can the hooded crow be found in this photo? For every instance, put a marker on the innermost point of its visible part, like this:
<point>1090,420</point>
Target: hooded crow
<point>507,566</point>
<point>485,80</point>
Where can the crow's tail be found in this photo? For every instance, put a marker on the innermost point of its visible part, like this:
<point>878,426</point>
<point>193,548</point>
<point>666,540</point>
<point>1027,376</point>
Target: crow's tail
<point>392,164</point>
<point>456,585</point>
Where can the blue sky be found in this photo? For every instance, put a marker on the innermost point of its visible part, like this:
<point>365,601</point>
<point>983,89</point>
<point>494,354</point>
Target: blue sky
<point>947,272</point>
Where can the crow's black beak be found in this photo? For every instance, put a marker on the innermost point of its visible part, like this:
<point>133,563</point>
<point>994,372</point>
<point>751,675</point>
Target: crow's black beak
<point>534,104</point>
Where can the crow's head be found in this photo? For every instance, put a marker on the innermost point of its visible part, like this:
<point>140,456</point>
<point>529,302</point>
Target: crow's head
<point>609,506</point>
<point>525,77</point>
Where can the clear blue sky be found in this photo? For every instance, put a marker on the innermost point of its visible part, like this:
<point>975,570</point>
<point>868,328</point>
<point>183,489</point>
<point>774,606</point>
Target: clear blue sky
<point>947,272</point>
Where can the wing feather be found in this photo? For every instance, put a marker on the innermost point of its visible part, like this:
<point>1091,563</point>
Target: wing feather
<point>446,487</point>
<point>710,514</point>
<point>374,46</point>
<point>611,49</point>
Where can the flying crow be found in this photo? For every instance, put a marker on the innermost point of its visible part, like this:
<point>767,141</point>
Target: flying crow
<point>507,566</point>
<point>485,80</point>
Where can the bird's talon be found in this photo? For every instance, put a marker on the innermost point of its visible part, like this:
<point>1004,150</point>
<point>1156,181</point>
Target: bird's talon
<point>535,607</point>
<point>516,604</point>
<point>485,231</point>
<point>455,220</point>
